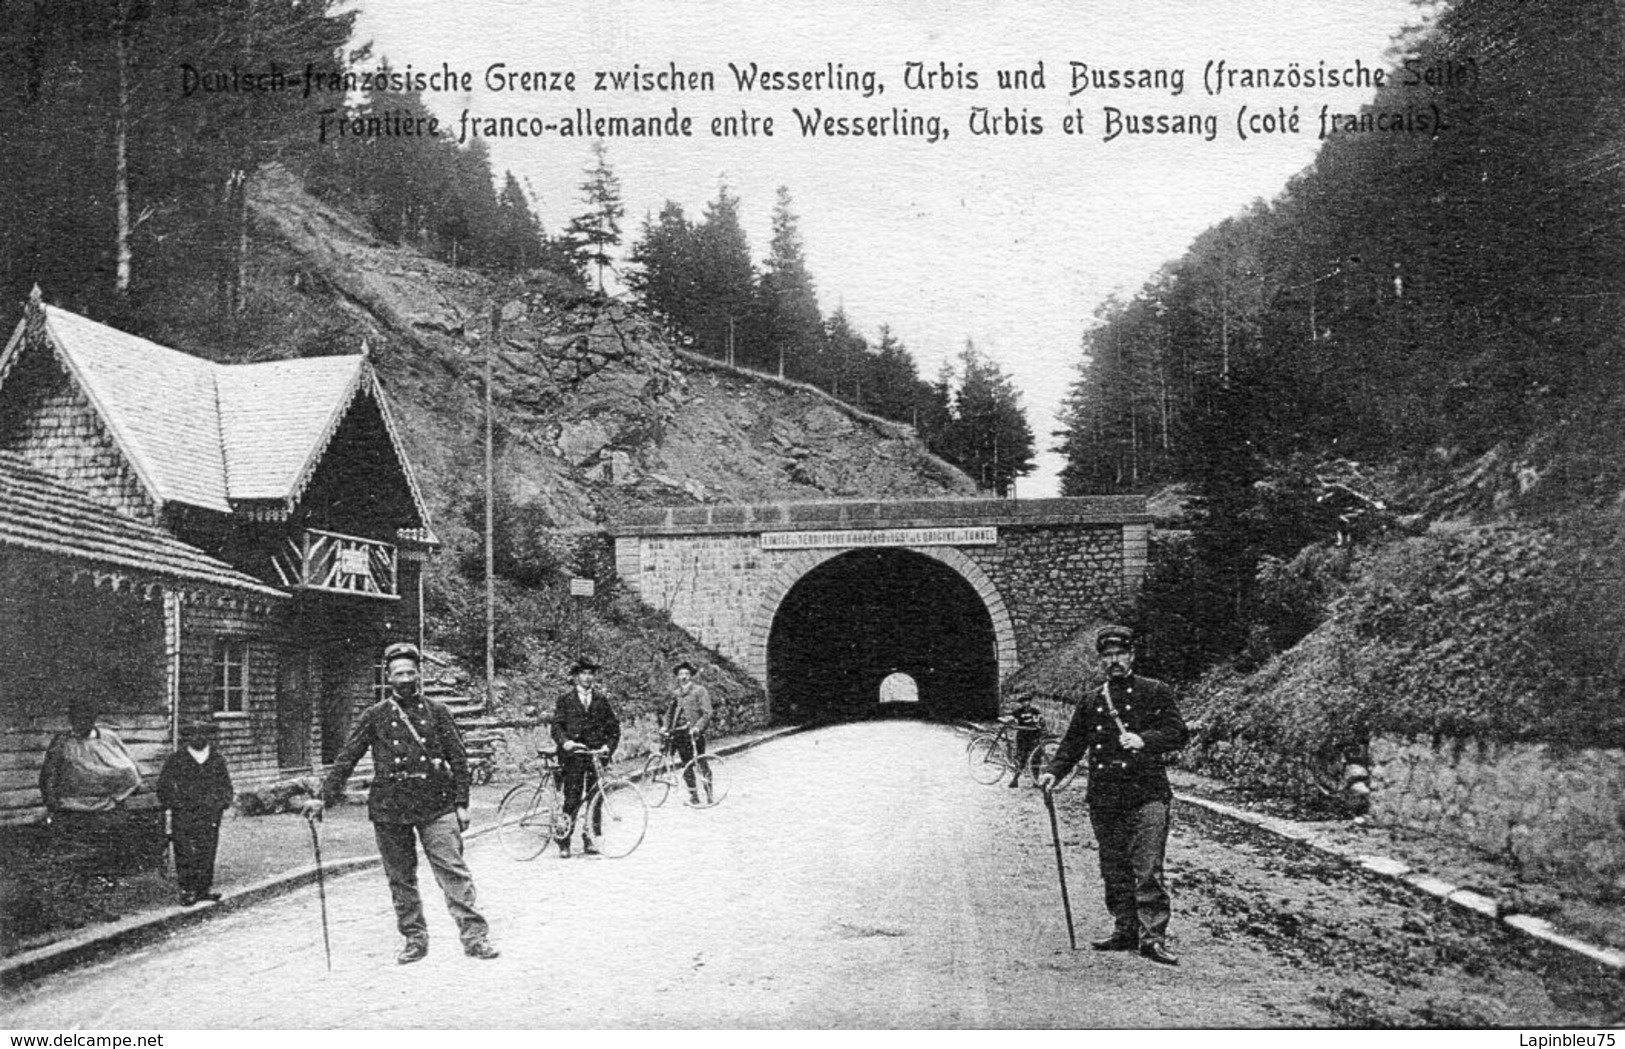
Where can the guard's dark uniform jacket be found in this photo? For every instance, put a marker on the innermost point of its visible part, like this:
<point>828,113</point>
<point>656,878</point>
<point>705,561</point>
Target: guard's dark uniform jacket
<point>409,785</point>
<point>1121,778</point>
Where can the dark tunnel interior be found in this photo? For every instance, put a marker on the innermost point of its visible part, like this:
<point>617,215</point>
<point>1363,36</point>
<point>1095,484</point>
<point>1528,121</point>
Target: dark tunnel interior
<point>858,617</point>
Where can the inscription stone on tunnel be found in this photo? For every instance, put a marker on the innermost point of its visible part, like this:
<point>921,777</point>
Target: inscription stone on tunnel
<point>830,540</point>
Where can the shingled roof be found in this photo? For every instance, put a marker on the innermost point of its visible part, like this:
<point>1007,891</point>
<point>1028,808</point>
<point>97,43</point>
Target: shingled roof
<point>212,435</point>
<point>40,513</point>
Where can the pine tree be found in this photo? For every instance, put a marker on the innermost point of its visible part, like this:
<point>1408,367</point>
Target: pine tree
<point>989,437</point>
<point>842,364</point>
<point>725,317</point>
<point>663,276</point>
<point>894,388</point>
<point>518,236</point>
<point>790,318</point>
<point>597,231</point>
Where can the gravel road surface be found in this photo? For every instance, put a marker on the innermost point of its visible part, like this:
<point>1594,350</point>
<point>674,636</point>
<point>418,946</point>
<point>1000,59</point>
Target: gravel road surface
<point>855,877</point>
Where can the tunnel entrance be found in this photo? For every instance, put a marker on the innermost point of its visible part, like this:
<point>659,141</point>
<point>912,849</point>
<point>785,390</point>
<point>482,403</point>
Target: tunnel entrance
<point>860,617</point>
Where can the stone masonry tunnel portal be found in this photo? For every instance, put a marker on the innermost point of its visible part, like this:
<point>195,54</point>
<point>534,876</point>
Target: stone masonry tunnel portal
<point>859,617</point>
<point>820,602</point>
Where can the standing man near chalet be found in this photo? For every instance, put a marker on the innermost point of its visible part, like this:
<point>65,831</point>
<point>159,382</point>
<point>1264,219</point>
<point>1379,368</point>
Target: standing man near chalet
<point>419,794</point>
<point>686,721</point>
<point>195,789</point>
<point>583,721</point>
<point>1126,730</point>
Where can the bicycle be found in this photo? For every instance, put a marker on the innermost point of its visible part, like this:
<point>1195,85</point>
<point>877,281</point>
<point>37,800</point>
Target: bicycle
<point>531,815</point>
<point>704,777</point>
<point>992,753</point>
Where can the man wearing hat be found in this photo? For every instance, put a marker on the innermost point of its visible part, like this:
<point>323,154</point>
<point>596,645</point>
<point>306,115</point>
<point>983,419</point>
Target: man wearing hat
<point>1125,729</point>
<point>419,795</point>
<point>686,721</point>
<point>194,788</point>
<point>583,721</point>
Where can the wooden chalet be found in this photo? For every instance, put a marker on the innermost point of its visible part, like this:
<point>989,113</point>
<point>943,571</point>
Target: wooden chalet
<point>182,539</point>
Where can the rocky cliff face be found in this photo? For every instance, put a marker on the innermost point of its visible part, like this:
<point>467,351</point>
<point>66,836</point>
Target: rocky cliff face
<point>596,411</point>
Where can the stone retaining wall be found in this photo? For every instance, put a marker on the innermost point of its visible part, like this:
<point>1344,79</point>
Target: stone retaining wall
<point>1561,813</point>
<point>1055,580</point>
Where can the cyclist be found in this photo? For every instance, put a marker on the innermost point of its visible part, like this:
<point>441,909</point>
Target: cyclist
<point>1029,729</point>
<point>686,719</point>
<point>583,720</point>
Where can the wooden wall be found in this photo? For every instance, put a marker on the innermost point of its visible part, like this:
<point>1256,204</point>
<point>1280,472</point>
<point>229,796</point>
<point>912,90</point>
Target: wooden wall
<point>247,740</point>
<point>65,639</point>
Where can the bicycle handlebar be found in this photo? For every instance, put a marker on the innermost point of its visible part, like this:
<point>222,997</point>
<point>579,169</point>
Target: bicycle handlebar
<point>600,752</point>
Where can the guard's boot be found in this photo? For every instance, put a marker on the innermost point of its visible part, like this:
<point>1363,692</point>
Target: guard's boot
<point>414,951</point>
<point>1118,941</point>
<point>482,950</point>
<point>1158,953</point>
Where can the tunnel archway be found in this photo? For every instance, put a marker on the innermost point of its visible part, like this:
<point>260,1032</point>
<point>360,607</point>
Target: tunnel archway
<point>860,616</point>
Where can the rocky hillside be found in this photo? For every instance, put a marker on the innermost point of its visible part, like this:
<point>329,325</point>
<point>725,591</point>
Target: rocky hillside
<point>596,411</point>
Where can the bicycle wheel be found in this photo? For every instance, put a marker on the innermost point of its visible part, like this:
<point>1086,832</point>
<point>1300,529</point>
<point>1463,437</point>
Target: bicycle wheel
<point>976,738</point>
<point>710,781</point>
<point>655,784</point>
<point>988,763</point>
<point>617,817</point>
<point>525,820</point>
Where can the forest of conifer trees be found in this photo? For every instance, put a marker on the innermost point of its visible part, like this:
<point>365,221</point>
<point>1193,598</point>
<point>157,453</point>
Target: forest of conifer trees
<point>1410,303</point>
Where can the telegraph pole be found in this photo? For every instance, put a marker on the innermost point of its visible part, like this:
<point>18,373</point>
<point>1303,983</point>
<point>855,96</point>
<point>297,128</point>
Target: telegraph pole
<point>490,521</point>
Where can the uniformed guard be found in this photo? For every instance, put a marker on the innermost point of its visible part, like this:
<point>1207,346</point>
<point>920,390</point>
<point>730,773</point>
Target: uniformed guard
<point>1126,728</point>
<point>419,794</point>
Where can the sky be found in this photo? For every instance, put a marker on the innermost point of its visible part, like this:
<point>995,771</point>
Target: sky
<point>1010,241</point>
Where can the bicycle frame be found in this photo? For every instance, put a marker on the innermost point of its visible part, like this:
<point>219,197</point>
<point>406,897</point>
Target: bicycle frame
<point>630,836</point>
<point>665,771</point>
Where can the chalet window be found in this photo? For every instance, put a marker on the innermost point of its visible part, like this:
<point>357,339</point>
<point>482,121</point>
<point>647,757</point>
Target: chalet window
<point>230,676</point>
<point>380,682</point>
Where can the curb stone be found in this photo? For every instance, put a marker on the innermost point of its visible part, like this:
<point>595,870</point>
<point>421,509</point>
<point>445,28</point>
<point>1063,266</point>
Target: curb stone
<point>1394,870</point>
<point>145,927</point>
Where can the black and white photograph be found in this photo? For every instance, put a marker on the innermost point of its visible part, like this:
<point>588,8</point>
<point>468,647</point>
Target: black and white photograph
<point>950,515</point>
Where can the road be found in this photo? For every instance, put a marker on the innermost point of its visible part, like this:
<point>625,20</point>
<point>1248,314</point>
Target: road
<point>855,877</point>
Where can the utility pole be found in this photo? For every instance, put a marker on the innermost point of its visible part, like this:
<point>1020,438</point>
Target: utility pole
<point>490,520</point>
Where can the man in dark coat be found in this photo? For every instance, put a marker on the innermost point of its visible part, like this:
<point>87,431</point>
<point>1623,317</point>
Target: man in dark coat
<point>583,721</point>
<point>195,788</point>
<point>1126,728</point>
<point>419,794</point>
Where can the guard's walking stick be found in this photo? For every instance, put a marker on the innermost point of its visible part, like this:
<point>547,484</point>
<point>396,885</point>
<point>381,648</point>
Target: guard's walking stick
<point>1060,868</point>
<point>166,865</point>
<point>321,889</point>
